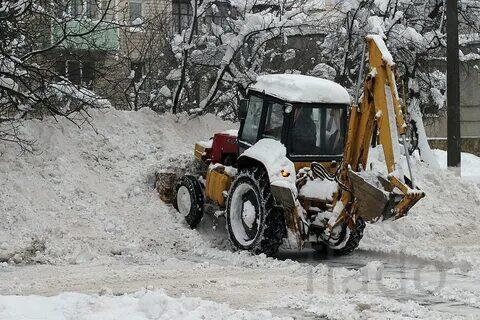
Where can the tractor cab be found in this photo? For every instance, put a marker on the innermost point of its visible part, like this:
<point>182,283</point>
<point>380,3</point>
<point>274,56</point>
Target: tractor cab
<point>307,115</point>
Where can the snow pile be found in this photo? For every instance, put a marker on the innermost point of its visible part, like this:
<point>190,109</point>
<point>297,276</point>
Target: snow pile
<point>318,188</point>
<point>86,198</point>
<point>442,226</point>
<point>87,194</point>
<point>470,164</point>
<point>139,305</point>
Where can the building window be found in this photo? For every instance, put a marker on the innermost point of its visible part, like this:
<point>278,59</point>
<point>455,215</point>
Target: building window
<point>265,7</point>
<point>84,8</point>
<point>78,72</point>
<point>137,68</point>
<point>74,72</point>
<point>61,68</point>
<point>76,8</point>
<point>182,15</point>
<point>88,74</point>
<point>107,9</point>
<point>135,10</point>
<point>92,9</point>
<point>218,14</point>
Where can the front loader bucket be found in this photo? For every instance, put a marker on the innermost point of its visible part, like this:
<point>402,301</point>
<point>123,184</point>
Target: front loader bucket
<point>383,199</point>
<point>173,169</point>
<point>165,183</point>
<point>373,204</point>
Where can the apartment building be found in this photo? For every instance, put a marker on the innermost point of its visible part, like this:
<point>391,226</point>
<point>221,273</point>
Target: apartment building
<point>130,39</point>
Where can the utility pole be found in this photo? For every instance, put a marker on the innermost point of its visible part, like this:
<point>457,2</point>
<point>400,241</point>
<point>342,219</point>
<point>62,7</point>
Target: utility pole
<point>453,88</point>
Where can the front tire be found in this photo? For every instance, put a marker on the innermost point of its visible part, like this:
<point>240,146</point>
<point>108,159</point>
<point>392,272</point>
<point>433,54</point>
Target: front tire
<point>189,200</point>
<point>253,223</point>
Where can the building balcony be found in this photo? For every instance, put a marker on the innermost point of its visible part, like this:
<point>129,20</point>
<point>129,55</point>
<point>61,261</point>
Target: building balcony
<point>87,35</point>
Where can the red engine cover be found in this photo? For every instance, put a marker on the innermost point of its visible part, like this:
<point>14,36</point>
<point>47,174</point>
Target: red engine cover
<point>223,144</point>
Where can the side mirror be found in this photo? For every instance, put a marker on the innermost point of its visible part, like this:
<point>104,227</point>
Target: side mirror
<point>242,108</point>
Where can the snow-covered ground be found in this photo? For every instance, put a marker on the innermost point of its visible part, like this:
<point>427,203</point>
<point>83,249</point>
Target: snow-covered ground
<point>139,305</point>
<point>80,215</point>
<point>470,164</point>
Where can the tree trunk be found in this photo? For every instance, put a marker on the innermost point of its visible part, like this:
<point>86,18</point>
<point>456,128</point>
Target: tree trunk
<point>185,55</point>
<point>426,153</point>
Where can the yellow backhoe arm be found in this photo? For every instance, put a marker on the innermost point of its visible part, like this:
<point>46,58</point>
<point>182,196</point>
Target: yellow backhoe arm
<point>378,113</point>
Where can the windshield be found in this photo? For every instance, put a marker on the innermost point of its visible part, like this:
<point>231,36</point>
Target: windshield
<point>317,130</point>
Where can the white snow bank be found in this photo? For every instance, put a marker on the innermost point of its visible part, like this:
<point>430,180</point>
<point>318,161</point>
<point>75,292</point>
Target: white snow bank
<point>442,226</point>
<point>86,194</point>
<point>470,164</point>
<point>136,306</point>
<point>301,88</point>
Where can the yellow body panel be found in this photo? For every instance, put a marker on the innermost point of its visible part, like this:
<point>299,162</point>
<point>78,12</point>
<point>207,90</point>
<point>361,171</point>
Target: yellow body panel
<point>199,151</point>
<point>216,183</point>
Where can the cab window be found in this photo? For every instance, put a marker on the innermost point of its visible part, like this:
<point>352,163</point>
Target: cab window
<point>317,131</point>
<point>334,135</point>
<point>252,120</point>
<point>273,121</point>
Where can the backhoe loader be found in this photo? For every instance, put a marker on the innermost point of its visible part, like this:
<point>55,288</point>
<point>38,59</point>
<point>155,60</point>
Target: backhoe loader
<point>294,173</point>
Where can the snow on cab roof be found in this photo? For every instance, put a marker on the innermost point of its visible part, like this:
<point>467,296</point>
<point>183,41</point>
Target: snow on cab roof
<point>301,88</point>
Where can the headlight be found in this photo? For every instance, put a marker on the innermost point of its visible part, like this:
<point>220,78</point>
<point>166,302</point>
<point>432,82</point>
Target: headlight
<point>288,108</point>
<point>285,173</point>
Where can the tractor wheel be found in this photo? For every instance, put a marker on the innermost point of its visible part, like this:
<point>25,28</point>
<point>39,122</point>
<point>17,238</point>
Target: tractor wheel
<point>189,200</point>
<point>352,242</point>
<point>253,222</point>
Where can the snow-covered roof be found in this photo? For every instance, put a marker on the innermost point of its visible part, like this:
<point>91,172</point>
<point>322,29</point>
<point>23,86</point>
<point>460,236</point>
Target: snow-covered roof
<point>301,88</point>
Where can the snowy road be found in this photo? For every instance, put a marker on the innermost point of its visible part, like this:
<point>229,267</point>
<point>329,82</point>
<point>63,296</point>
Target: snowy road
<point>288,289</point>
<point>415,279</point>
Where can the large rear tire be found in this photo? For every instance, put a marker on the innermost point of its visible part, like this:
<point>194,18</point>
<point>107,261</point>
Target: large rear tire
<point>352,242</point>
<point>189,200</point>
<point>253,223</point>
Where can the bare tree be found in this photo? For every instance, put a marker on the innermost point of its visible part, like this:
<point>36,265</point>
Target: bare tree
<point>233,50</point>
<point>29,84</point>
<point>147,53</point>
<point>415,33</point>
